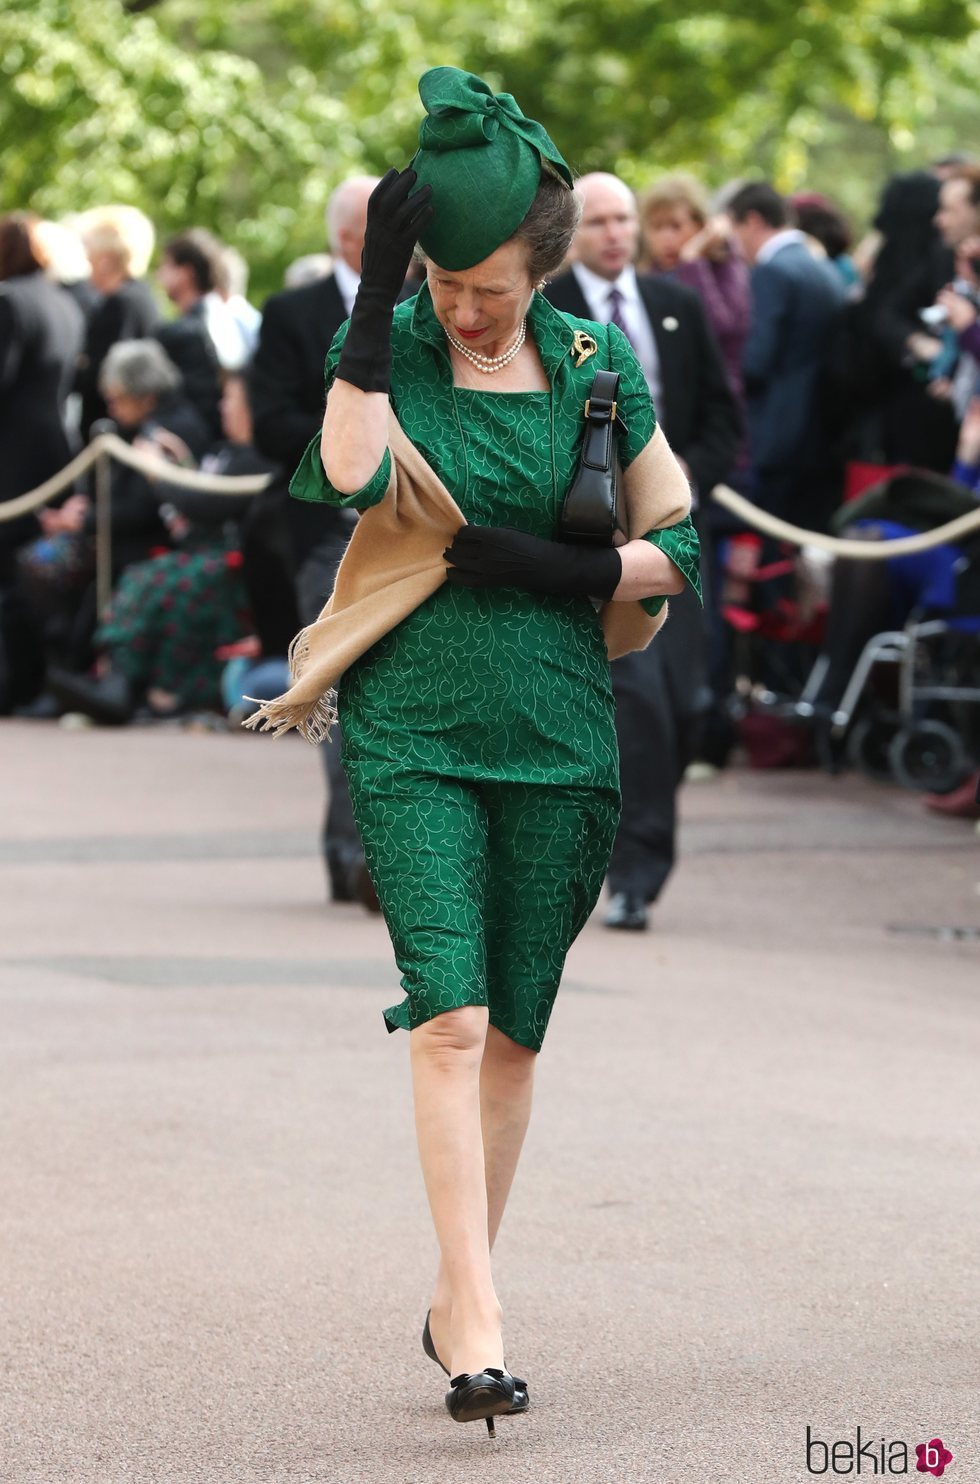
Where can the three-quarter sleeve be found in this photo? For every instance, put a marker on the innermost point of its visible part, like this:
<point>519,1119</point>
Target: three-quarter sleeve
<point>679,542</point>
<point>310,480</point>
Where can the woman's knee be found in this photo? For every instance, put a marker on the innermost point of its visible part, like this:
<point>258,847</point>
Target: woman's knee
<point>452,1033</point>
<point>507,1057</point>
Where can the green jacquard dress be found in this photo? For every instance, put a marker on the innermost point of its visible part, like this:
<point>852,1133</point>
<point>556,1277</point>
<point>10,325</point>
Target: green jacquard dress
<point>479,734</point>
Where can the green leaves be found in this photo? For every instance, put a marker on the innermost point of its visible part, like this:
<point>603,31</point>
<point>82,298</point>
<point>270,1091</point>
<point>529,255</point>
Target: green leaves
<point>243,117</point>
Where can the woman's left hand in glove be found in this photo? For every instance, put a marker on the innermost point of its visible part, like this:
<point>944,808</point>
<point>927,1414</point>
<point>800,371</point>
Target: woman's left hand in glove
<point>498,556</point>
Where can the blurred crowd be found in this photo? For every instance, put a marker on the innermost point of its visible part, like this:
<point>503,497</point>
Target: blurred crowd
<point>833,381</point>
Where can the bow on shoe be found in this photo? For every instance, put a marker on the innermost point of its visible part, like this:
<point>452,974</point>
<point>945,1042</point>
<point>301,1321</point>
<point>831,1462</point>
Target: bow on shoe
<point>464,1376</point>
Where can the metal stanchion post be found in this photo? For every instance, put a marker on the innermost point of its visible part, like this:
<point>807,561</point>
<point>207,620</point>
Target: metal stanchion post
<point>103,529</point>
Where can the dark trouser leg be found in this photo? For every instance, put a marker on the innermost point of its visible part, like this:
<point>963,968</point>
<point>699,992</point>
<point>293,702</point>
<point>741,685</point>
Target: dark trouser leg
<point>718,735</point>
<point>658,691</point>
<point>342,849</point>
<point>861,605</point>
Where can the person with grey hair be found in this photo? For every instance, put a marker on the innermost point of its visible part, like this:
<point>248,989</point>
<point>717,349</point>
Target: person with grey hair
<point>148,409</point>
<point>286,387</point>
<point>138,368</point>
<point>159,639</point>
<point>143,393</point>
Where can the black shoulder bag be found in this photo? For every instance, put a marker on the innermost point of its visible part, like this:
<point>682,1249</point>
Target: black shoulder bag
<point>591,514</point>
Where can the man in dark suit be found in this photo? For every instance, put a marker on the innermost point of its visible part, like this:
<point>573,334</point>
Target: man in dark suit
<point>187,275</point>
<point>661,690</point>
<point>287,397</point>
<point>797,311</point>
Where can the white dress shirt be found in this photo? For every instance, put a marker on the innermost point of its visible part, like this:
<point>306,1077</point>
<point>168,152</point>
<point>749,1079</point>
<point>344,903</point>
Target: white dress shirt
<point>779,240</point>
<point>632,312</point>
<point>347,282</point>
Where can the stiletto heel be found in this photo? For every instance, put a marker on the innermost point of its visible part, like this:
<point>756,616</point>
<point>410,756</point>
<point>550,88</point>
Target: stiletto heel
<point>485,1394</point>
<point>521,1399</point>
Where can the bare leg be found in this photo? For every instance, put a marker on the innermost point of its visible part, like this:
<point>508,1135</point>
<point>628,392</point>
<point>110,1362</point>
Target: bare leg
<point>446,1054</point>
<point>506,1088</point>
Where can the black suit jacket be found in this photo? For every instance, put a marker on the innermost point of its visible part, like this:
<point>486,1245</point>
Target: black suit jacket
<point>287,396</point>
<point>128,314</point>
<point>41,331</point>
<point>698,413</point>
<point>797,308</point>
<point>286,380</point>
<point>188,343</point>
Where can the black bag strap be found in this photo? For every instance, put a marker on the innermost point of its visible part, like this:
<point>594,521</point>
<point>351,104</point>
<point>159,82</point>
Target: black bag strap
<point>601,417</point>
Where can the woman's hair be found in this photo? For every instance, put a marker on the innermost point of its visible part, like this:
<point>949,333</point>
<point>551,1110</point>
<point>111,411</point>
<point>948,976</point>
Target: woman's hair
<point>671,191</point>
<point>21,250</point>
<point>971,174</point>
<point>549,226</point>
<point>122,231</point>
<point>196,249</point>
<point>818,218</point>
<point>141,368</point>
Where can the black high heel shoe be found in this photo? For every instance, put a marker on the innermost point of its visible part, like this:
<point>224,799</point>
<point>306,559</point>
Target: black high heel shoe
<point>521,1400</point>
<point>486,1394</point>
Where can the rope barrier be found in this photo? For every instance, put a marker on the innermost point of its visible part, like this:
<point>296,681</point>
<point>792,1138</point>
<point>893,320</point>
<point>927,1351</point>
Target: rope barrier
<point>109,446</point>
<point>867,551</point>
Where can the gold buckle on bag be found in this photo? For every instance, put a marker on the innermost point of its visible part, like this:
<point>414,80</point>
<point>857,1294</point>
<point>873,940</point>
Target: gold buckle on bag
<point>612,413</point>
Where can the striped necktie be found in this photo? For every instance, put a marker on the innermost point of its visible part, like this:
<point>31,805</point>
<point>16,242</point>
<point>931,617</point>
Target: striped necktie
<point>616,313</point>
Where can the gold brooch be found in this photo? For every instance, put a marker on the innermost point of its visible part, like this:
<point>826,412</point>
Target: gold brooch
<point>583,346</point>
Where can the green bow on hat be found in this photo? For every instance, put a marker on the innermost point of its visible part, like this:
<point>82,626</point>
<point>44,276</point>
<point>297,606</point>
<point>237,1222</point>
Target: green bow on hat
<point>483,160</point>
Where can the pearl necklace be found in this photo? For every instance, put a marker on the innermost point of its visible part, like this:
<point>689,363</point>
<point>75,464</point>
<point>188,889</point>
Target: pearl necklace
<point>489,364</point>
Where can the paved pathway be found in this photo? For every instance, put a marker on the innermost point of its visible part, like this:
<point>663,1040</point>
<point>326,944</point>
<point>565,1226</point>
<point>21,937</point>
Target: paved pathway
<point>749,1202</point>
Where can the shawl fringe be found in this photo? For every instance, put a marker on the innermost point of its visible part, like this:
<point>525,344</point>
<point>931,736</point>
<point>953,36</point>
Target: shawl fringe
<point>313,720</point>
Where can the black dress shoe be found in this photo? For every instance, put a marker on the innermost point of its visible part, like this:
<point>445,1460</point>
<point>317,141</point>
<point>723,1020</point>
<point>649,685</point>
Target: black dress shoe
<point>340,891</point>
<point>108,700</point>
<point>43,708</point>
<point>627,910</point>
<point>521,1400</point>
<point>484,1394</point>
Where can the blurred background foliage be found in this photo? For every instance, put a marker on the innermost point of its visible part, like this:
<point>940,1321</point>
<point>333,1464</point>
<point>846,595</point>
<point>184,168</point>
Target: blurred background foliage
<point>242,117</point>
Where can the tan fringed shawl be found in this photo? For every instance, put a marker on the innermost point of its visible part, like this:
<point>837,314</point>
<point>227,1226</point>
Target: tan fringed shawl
<point>395,561</point>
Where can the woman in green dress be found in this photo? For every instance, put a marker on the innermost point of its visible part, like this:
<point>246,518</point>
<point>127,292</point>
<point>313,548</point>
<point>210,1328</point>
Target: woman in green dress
<point>478,732</point>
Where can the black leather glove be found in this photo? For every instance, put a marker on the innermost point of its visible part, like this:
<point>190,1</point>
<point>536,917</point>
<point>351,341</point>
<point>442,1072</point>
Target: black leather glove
<point>394,220</point>
<point>498,556</point>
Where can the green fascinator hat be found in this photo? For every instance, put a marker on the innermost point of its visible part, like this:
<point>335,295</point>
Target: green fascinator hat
<point>483,160</point>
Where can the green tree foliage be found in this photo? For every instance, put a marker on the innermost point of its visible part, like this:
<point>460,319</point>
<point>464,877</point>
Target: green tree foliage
<point>243,116</point>
<point>98,105</point>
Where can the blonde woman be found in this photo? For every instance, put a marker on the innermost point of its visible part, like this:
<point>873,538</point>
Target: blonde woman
<point>119,242</point>
<point>680,237</point>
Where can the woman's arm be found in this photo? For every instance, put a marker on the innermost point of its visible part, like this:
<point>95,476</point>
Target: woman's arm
<point>647,572</point>
<point>355,424</point>
<point>354,436</point>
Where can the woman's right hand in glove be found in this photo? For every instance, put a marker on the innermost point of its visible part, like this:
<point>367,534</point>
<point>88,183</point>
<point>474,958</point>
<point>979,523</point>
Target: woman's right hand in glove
<point>395,217</point>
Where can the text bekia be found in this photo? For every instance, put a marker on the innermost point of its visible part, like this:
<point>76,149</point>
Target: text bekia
<point>874,1456</point>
